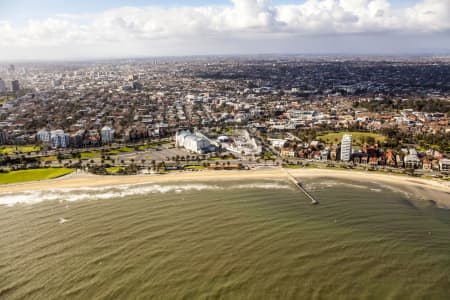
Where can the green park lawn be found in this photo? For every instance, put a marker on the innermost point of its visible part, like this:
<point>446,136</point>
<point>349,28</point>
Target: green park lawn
<point>8,150</point>
<point>33,174</point>
<point>120,150</point>
<point>290,166</point>
<point>220,158</point>
<point>113,170</point>
<point>49,158</point>
<point>90,154</point>
<point>195,168</point>
<point>359,138</point>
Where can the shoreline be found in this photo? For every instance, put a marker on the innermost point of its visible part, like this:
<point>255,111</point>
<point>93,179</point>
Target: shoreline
<point>438,191</point>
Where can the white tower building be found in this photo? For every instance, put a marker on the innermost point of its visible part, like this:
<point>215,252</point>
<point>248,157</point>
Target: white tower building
<point>107,134</point>
<point>346,147</point>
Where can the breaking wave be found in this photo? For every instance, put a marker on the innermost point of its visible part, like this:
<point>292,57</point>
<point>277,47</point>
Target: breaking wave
<point>268,186</point>
<point>321,185</point>
<point>97,193</point>
<point>102,193</point>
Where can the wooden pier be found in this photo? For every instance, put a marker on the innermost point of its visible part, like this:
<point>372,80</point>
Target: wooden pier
<point>301,188</point>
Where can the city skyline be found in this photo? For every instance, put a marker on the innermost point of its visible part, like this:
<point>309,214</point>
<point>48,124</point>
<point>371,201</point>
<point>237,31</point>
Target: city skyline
<point>119,29</point>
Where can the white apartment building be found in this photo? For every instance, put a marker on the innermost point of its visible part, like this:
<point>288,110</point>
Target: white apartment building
<point>194,142</point>
<point>107,135</point>
<point>346,147</point>
<point>43,136</point>
<point>59,139</point>
<point>444,165</point>
<point>302,115</point>
<point>412,160</point>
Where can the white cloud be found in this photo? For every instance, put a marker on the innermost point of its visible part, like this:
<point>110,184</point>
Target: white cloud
<point>240,20</point>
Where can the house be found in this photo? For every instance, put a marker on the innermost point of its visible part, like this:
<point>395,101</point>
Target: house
<point>287,152</point>
<point>426,164</point>
<point>412,161</point>
<point>444,165</point>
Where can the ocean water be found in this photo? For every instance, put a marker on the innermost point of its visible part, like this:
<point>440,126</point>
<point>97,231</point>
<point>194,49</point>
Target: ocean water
<point>224,240</point>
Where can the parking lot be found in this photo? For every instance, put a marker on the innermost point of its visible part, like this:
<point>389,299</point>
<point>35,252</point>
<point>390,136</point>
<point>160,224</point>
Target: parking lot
<point>154,154</point>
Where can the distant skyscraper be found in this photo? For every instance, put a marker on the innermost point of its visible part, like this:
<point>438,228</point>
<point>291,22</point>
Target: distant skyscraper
<point>107,135</point>
<point>3,137</point>
<point>15,86</point>
<point>2,86</point>
<point>11,68</point>
<point>346,147</point>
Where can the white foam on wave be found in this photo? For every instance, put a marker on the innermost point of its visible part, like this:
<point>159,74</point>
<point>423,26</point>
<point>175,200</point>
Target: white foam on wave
<point>268,186</point>
<point>321,185</point>
<point>396,189</point>
<point>100,193</point>
<point>356,186</point>
<point>121,191</point>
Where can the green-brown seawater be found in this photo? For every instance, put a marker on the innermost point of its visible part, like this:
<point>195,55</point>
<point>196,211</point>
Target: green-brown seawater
<point>224,240</point>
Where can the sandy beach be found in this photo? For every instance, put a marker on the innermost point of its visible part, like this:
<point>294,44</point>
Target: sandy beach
<point>436,190</point>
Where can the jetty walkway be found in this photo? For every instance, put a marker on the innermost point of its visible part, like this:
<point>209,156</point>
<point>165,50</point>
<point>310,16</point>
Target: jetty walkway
<point>301,188</point>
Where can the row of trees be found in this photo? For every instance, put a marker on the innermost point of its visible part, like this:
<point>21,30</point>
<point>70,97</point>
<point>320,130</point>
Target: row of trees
<point>389,104</point>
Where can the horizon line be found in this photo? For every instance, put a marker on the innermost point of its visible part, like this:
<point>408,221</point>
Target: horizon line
<point>425,54</point>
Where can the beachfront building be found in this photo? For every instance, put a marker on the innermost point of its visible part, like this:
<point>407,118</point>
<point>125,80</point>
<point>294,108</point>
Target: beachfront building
<point>107,134</point>
<point>411,160</point>
<point>346,147</point>
<point>444,165</point>
<point>194,142</point>
<point>324,154</point>
<point>243,144</point>
<point>59,139</point>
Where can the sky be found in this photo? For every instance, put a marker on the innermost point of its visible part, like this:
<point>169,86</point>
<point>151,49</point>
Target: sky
<point>82,29</point>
